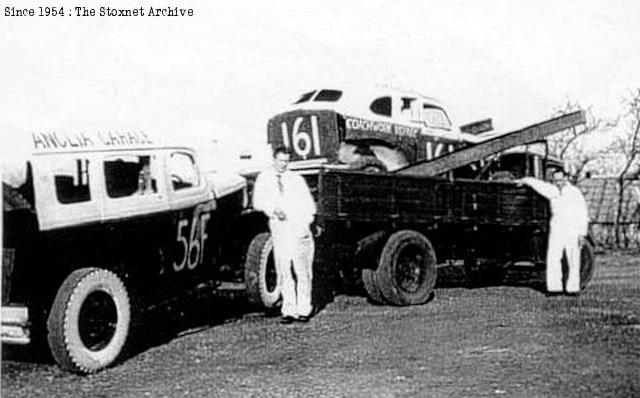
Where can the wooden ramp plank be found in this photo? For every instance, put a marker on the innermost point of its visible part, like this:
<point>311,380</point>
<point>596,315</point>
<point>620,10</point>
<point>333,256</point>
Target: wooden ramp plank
<point>479,151</point>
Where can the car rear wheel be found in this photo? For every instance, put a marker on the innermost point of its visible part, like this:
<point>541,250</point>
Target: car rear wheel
<point>368,163</point>
<point>393,158</point>
<point>89,321</point>
<point>360,157</point>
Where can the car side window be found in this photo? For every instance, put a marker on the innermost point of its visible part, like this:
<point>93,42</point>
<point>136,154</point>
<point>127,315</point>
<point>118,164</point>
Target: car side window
<point>381,106</point>
<point>130,175</point>
<point>183,171</point>
<point>71,179</point>
<point>409,109</point>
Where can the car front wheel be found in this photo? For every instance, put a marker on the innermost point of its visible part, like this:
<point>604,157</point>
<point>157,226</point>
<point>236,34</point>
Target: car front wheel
<point>89,321</point>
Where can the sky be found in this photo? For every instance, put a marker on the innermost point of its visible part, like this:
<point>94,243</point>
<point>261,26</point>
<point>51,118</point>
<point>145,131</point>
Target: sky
<point>223,72</point>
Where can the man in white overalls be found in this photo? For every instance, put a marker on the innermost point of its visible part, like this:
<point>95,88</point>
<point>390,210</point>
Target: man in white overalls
<point>567,229</point>
<point>285,198</point>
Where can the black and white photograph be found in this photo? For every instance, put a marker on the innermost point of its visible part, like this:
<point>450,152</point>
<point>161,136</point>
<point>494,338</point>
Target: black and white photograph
<point>340,198</point>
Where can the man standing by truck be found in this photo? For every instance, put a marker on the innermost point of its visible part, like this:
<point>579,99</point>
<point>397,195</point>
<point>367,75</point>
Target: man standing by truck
<point>285,198</point>
<point>567,229</point>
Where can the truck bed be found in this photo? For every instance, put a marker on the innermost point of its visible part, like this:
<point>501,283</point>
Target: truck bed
<point>404,199</point>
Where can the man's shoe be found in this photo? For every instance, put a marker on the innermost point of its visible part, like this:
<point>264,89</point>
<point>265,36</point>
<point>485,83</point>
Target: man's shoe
<point>286,320</point>
<point>303,318</point>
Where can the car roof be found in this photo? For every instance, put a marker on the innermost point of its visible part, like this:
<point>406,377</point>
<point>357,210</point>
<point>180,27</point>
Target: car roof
<point>358,99</point>
<point>20,146</point>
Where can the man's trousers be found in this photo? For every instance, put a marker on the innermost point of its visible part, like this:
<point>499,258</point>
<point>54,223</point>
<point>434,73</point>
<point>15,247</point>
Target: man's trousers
<point>294,266</point>
<point>567,243</point>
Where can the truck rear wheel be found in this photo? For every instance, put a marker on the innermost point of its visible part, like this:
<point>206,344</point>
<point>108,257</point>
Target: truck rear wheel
<point>260,277</point>
<point>89,321</point>
<point>587,264</point>
<point>406,271</point>
<point>371,286</point>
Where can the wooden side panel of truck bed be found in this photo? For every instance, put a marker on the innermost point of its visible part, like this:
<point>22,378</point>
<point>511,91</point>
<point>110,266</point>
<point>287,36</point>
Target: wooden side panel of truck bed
<point>370,197</point>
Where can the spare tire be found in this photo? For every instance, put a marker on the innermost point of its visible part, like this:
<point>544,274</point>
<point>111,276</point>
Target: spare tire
<point>260,277</point>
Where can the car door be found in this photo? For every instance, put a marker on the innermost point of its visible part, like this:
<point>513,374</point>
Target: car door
<point>135,213</point>
<point>191,205</point>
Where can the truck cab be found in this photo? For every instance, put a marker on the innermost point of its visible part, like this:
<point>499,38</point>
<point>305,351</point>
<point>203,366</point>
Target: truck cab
<point>98,225</point>
<point>531,160</point>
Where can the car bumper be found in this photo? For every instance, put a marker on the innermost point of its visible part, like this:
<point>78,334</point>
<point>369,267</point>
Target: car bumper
<point>14,325</point>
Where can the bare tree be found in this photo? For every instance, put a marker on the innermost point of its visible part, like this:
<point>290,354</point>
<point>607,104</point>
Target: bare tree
<point>569,145</point>
<point>629,147</point>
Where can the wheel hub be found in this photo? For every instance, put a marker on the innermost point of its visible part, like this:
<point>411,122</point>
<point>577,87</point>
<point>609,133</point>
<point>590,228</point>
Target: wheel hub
<point>97,320</point>
<point>410,275</point>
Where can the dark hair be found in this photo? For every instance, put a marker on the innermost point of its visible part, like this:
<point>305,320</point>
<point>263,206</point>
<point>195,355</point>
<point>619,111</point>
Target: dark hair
<point>281,149</point>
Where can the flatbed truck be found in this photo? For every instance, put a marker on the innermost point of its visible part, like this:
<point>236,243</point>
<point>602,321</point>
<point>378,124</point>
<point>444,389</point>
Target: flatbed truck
<point>390,230</point>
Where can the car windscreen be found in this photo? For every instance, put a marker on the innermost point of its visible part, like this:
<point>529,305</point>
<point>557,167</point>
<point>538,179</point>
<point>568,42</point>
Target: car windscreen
<point>435,117</point>
<point>305,97</point>
<point>328,96</point>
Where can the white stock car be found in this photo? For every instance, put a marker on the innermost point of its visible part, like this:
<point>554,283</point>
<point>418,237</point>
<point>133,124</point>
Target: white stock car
<point>375,128</point>
<point>384,129</point>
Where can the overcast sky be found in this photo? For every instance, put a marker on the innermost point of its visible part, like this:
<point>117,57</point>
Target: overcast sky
<point>235,63</point>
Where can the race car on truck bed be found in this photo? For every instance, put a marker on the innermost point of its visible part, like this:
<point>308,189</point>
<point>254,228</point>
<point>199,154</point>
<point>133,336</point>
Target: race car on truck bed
<point>377,128</point>
<point>385,129</point>
<point>100,225</point>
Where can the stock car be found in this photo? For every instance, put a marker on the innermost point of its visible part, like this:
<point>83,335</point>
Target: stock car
<point>385,129</point>
<point>100,225</point>
<point>376,129</point>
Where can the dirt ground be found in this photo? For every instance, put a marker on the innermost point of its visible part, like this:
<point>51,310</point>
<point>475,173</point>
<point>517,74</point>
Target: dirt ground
<point>497,341</point>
